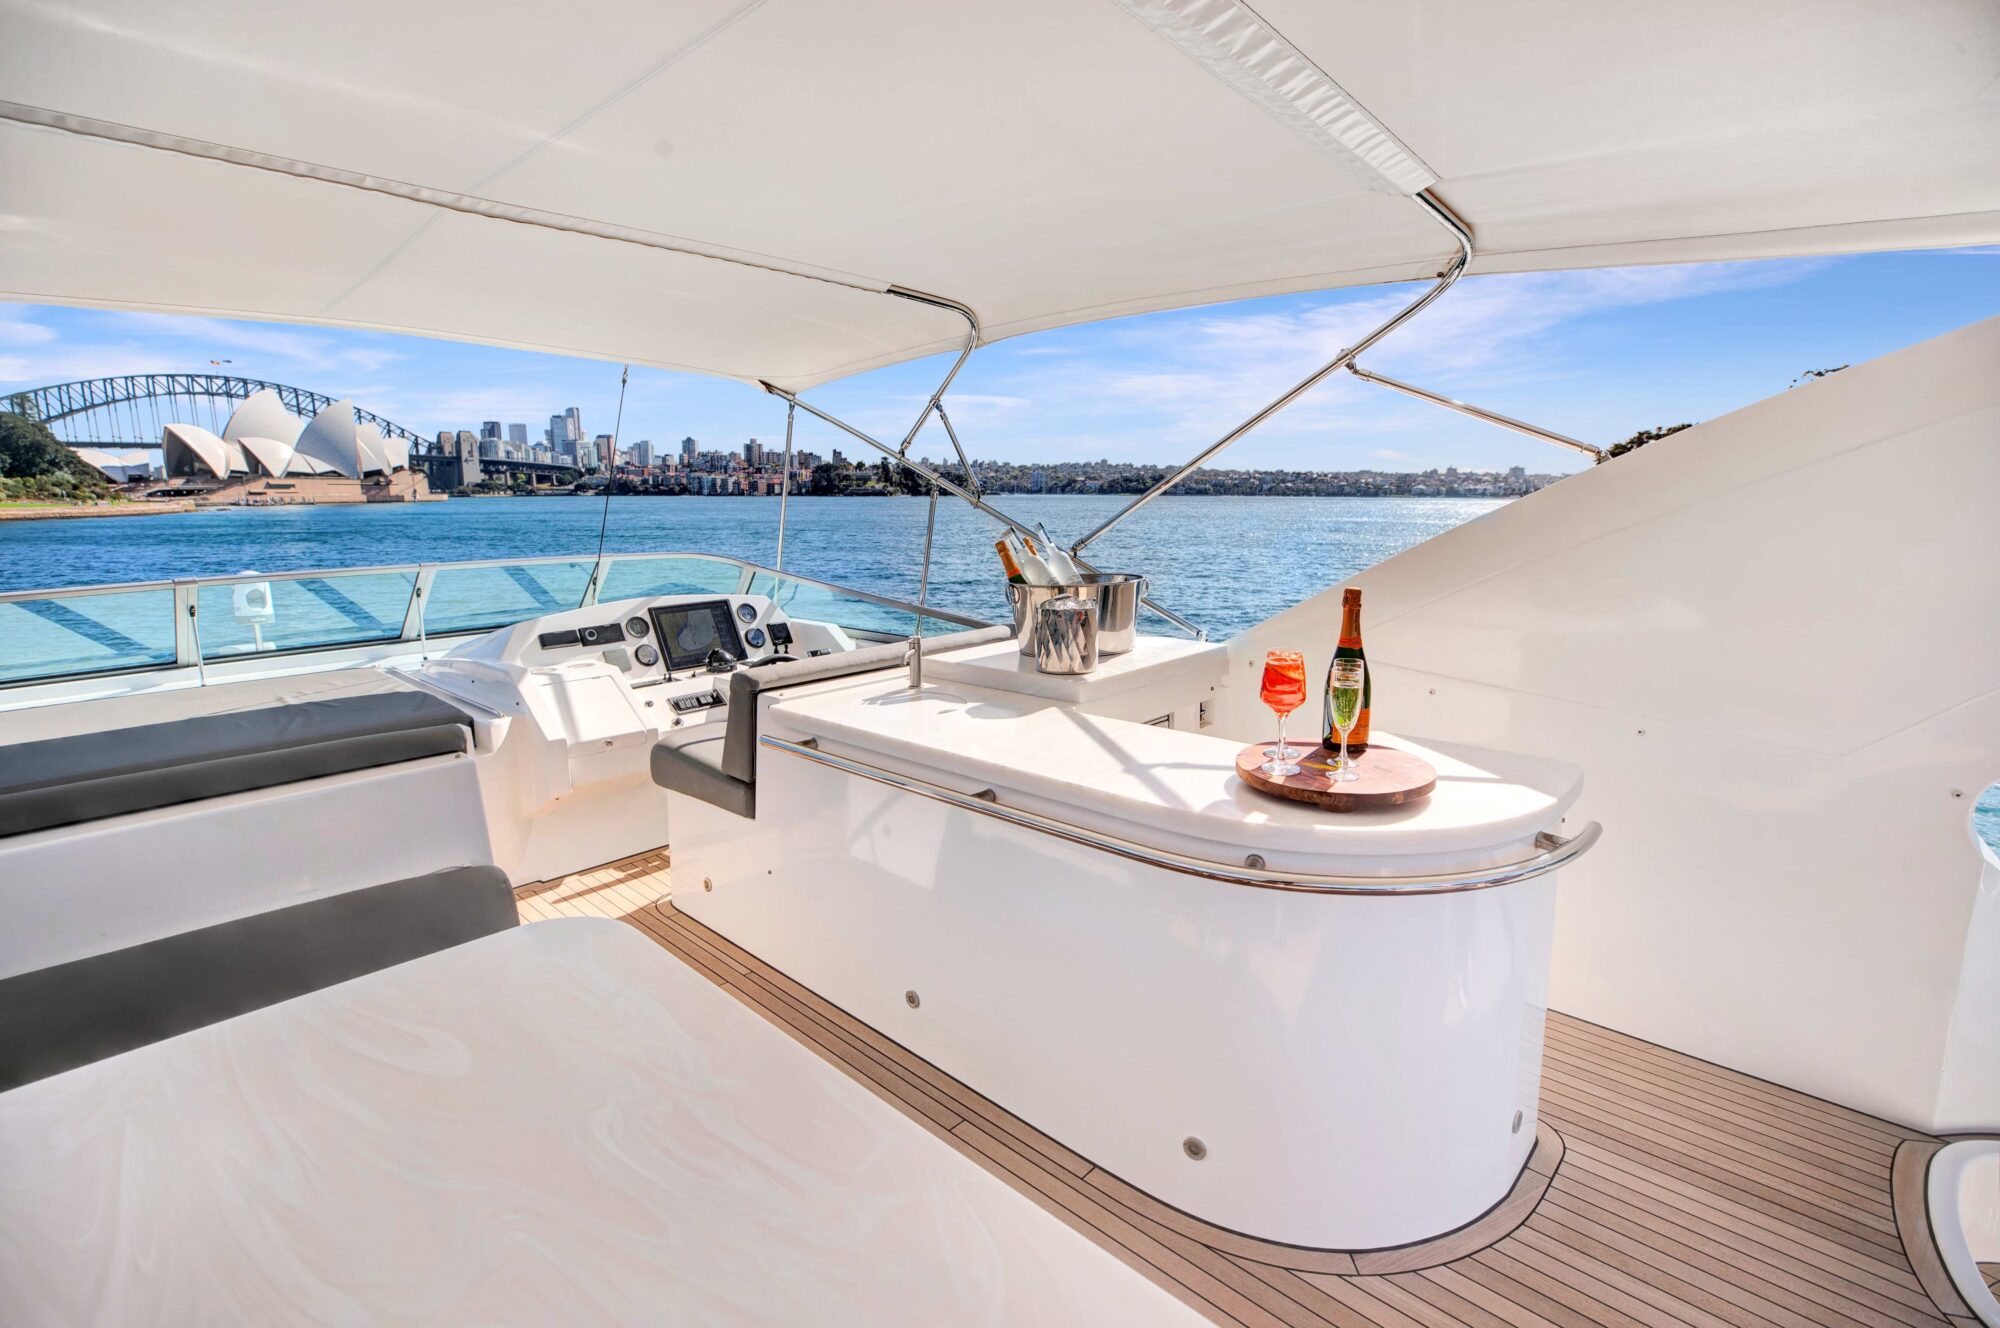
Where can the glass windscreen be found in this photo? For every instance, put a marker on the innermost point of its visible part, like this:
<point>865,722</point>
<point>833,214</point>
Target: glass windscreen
<point>303,612</point>
<point>62,635</point>
<point>629,576</point>
<point>470,599</point>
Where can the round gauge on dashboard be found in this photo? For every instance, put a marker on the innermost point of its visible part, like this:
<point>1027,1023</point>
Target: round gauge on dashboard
<point>747,612</point>
<point>636,627</point>
<point>647,656</point>
<point>754,638</point>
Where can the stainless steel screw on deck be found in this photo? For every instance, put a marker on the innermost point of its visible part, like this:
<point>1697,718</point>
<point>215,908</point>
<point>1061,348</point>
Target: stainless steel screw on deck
<point>911,999</point>
<point>1194,1148</point>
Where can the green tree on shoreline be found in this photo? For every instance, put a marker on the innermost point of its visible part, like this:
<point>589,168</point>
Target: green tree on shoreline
<point>34,465</point>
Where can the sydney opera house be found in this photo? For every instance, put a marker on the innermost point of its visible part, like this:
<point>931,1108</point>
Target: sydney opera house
<point>267,455</point>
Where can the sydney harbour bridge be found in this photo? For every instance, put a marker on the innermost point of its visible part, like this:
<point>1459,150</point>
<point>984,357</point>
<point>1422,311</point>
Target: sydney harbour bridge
<point>129,411</point>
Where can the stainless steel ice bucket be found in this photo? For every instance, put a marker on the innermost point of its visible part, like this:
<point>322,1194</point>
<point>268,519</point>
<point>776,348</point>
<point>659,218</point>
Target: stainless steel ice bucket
<point>1066,635</point>
<point>1116,595</point>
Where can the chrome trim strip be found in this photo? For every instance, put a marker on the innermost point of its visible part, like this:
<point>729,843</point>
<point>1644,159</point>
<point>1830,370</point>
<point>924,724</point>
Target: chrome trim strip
<point>1555,850</point>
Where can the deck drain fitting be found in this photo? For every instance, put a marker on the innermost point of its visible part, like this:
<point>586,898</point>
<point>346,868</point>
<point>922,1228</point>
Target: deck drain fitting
<point>911,999</point>
<point>1255,862</point>
<point>1194,1148</point>
<point>707,884</point>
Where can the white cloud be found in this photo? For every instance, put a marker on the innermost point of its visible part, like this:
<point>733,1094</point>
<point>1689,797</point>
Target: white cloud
<point>1169,384</point>
<point>18,328</point>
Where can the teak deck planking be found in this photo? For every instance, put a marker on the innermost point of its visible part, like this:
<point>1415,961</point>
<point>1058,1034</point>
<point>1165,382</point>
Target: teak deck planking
<point>1663,1191</point>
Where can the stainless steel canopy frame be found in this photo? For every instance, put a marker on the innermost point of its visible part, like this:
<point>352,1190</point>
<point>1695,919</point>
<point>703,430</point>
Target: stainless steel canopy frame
<point>1445,280</point>
<point>785,487</point>
<point>970,492</point>
<point>1466,408</point>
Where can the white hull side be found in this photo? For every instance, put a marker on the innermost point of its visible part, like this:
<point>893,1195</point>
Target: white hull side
<point>1772,641</point>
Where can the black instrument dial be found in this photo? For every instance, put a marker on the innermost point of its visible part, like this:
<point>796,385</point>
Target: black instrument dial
<point>647,656</point>
<point>747,612</point>
<point>754,638</point>
<point>637,627</point>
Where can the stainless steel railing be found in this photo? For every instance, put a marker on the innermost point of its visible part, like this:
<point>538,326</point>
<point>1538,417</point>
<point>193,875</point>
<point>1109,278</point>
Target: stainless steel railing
<point>1555,850</point>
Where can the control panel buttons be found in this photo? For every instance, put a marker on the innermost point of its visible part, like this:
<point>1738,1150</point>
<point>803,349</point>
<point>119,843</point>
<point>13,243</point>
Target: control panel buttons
<point>598,636</point>
<point>699,701</point>
<point>549,640</point>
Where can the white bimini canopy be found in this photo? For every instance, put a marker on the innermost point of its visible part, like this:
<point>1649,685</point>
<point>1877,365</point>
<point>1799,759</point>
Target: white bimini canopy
<point>731,186</point>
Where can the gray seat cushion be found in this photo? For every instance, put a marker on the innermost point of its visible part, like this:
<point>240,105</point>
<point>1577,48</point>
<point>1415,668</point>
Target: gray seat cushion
<point>87,776</point>
<point>690,761</point>
<point>57,1018</point>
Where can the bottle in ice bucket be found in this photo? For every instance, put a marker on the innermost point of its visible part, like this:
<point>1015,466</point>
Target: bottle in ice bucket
<point>1350,648</point>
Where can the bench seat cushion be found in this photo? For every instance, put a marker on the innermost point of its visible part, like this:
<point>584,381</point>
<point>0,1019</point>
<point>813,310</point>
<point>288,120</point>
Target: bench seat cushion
<point>56,1018</point>
<point>690,761</point>
<point>111,772</point>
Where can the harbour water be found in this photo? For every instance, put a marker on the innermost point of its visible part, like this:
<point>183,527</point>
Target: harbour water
<point>1225,563</point>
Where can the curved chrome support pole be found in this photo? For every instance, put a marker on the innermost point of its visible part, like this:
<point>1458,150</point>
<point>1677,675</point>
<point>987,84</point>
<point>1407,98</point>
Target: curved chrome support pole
<point>1552,850</point>
<point>785,485</point>
<point>1491,417</point>
<point>971,343</point>
<point>1445,280</point>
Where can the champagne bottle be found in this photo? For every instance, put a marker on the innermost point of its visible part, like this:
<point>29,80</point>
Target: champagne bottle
<point>1007,561</point>
<point>1350,648</point>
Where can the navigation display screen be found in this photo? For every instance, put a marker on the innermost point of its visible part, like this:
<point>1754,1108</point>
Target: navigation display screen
<point>689,631</point>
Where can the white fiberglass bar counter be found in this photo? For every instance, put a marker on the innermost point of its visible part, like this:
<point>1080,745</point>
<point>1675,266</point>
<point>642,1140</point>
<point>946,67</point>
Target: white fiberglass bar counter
<point>1312,1028</point>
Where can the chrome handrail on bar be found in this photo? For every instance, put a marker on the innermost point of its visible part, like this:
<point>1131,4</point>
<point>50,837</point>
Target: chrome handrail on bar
<point>1555,849</point>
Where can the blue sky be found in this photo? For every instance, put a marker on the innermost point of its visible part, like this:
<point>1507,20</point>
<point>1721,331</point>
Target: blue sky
<point>1595,354</point>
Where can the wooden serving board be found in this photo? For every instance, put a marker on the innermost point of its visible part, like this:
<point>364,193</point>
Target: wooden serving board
<point>1389,778</point>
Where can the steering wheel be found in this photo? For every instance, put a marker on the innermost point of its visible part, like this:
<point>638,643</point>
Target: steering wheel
<point>772,659</point>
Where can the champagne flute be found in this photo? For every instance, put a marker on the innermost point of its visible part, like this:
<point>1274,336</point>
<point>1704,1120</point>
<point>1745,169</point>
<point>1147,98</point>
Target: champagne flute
<point>1284,690</point>
<point>1347,677</point>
